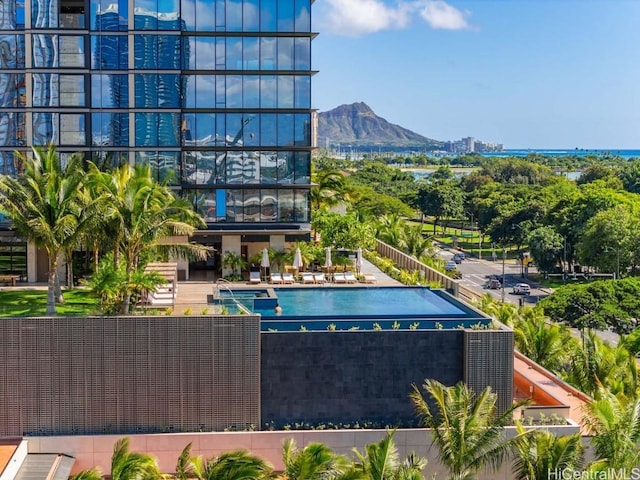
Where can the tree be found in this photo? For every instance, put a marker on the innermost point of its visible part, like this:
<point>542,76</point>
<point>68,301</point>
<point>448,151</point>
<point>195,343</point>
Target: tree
<point>381,461</point>
<point>330,190</point>
<point>541,452</point>
<point>614,423</point>
<point>44,206</point>
<point>234,465</point>
<point>127,465</point>
<point>542,343</point>
<point>145,217</point>
<point>441,200</point>
<point>235,262</point>
<point>314,462</point>
<point>546,248</point>
<point>466,427</point>
<point>609,240</point>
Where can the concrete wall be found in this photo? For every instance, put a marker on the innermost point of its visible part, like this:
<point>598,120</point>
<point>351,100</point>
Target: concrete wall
<point>90,451</point>
<point>128,374</point>
<point>321,377</point>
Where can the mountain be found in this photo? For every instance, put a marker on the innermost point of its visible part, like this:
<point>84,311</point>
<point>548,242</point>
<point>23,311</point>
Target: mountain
<point>356,125</point>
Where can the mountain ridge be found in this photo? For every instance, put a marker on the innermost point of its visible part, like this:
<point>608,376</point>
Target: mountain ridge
<point>357,125</point>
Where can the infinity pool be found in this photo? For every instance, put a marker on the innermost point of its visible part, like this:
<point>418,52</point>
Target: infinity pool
<point>357,307</point>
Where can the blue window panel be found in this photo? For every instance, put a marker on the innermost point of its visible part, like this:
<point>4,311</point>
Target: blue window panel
<point>44,125</point>
<point>44,13</point>
<point>285,53</point>
<point>168,168</point>
<point>285,130</point>
<point>302,94</point>
<point>250,15</point>
<point>109,91</point>
<point>285,15</point>
<point>302,50</point>
<point>8,166</point>
<point>110,52</point>
<point>12,133</point>
<point>45,50</point>
<point>302,15</point>
<point>268,18</point>
<point>110,129</point>
<point>221,203</point>
<point>10,45</point>
<point>45,90</point>
<point>168,129</point>
<point>302,168</point>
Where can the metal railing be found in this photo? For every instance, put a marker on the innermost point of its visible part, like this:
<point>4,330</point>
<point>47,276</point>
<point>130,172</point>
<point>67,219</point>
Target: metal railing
<point>410,263</point>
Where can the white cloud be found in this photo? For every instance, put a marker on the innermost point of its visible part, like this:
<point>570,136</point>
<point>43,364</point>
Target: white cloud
<point>361,17</point>
<point>440,15</point>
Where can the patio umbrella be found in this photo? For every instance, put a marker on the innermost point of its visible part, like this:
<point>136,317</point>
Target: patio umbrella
<point>265,263</point>
<point>359,261</point>
<point>297,259</point>
<point>327,258</point>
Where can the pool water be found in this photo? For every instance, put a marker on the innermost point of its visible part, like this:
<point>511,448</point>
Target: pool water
<point>373,302</point>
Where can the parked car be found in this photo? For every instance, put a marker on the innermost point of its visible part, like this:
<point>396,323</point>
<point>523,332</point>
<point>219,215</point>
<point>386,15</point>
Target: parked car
<point>521,289</point>
<point>451,265</point>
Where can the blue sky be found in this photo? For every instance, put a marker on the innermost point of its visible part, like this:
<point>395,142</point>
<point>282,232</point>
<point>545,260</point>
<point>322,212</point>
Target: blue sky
<point>525,73</point>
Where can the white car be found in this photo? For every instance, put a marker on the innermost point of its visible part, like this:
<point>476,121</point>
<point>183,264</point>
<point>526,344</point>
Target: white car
<point>521,289</point>
<point>451,265</point>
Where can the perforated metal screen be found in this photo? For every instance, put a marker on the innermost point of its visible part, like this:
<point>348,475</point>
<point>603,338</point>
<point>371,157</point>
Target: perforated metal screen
<point>129,374</point>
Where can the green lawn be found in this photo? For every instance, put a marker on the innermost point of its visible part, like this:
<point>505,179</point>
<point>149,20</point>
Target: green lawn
<point>16,302</point>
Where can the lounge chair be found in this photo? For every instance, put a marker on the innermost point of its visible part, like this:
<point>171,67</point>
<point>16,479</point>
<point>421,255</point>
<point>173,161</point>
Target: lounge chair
<point>307,277</point>
<point>369,278</point>
<point>350,277</point>
<point>287,277</point>
<point>319,277</point>
<point>276,278</point>
<point>254,277</point>
<point>339,277</point>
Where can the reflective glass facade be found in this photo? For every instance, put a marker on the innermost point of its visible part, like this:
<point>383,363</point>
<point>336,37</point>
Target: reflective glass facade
<point>215,95</point>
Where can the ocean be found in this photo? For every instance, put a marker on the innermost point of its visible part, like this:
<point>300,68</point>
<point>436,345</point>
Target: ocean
<point>554,152</point>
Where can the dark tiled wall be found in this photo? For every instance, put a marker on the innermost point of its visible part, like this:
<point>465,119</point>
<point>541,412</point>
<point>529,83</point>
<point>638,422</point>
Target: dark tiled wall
<point>321,377</point>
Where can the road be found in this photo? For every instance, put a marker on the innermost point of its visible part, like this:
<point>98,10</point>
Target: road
<point>476,273</point>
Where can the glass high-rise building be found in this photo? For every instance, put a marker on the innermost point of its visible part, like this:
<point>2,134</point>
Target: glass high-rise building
<point>215,95</point>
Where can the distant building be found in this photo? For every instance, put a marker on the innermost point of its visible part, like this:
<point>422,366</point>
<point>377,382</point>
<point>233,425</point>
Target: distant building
<point>471,145</point>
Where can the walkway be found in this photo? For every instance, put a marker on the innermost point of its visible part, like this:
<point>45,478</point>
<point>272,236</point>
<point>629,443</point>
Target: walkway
<point>192,295</point>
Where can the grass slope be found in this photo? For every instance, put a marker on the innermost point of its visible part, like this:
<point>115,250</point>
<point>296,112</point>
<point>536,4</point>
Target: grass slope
<point>16,302</point>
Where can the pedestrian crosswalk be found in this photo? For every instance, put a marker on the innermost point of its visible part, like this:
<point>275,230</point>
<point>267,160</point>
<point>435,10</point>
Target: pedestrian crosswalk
<point>474,280</point>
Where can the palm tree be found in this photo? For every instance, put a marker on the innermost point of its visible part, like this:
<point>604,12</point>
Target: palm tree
<point>234,262</point>
<point>127,465</point>
<point>542,343</point>
<point>615,423</point>
<point>316,461</point>
<point>44,208</point>
<point>466,427</point>
<point>381,461</point>
<point>330,189</point>
<point>234,465</point>
<point>144,216</point>
<point>91,474</point>
<point>278,258</point>
<point>597,366</point>
<point>541,452</point>
<point>390,229</point>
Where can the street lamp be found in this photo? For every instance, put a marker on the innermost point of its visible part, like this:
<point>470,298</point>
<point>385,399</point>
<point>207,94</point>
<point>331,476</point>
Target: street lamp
<point>617,252</point>
<point>504,258</point>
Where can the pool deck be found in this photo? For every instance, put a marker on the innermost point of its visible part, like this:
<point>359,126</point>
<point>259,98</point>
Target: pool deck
<point>193,294</point>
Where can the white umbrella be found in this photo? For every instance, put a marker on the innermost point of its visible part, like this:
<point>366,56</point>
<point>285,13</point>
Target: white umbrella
<point>359,260</point>
<point>327,258</point>
<point>265,263</point>
<point>297,259</point>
